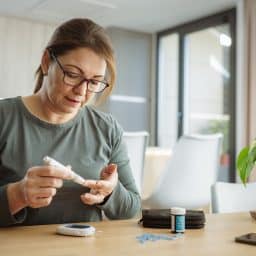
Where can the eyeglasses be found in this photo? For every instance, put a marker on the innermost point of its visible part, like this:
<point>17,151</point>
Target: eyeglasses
<point>74,79</point>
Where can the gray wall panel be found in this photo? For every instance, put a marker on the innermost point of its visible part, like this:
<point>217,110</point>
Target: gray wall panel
<point>133,54</point>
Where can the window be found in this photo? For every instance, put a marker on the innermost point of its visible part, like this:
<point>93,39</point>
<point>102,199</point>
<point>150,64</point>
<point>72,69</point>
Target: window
<point>196,84</point>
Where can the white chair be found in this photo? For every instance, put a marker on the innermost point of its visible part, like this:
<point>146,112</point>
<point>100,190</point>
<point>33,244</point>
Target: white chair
<point>233,197</point>
<point>156,159</point>
<point>136,143</point>
<point>189,174</point>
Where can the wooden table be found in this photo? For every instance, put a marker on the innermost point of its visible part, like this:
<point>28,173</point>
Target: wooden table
<point>119,238</point>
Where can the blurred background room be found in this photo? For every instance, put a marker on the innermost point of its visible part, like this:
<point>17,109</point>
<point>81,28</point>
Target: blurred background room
<point>183,67</point>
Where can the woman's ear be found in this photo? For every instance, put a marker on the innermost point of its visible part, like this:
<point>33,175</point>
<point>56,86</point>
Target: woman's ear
<point>45,62</point>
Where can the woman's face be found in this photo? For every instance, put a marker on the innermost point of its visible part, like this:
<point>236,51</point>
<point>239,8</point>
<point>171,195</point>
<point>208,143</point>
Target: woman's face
<point>81,63</point>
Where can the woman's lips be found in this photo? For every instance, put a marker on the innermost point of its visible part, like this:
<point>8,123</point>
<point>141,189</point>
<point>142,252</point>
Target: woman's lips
<point>73,101</point>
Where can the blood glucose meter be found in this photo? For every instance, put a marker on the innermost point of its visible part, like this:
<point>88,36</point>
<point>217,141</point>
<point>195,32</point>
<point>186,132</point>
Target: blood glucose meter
<point>75,230</point>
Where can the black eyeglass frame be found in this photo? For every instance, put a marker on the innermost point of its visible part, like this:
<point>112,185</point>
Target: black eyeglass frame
<point>83,80</point>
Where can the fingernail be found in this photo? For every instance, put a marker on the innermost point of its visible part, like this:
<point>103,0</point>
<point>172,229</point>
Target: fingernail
<point>112,167</point>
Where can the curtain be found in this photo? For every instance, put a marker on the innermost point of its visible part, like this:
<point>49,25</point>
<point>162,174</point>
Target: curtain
<point>250,69</point>
<point>250,65</point>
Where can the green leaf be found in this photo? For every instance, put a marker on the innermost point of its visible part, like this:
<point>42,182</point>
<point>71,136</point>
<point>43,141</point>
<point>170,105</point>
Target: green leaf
<point>243,164</point>
<point>252,152</point>
<point>246,161</point>
<point>248,171</point>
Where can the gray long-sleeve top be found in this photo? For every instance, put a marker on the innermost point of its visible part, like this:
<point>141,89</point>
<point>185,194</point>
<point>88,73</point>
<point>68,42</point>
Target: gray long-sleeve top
<point>88,142</point>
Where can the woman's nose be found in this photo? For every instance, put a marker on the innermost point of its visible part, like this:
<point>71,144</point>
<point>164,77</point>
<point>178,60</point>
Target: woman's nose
<point>82,88</point>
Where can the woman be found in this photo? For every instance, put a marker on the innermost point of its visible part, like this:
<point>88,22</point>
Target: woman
<point>77,64</point>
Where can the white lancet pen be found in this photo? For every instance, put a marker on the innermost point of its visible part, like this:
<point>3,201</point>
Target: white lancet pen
<point>52,162</point>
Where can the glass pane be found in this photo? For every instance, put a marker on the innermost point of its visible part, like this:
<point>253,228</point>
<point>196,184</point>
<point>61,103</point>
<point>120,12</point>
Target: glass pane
<point>168,91</point>
<point>207,86</point>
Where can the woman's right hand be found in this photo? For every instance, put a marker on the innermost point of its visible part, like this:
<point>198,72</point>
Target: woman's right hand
<point>37,188</point>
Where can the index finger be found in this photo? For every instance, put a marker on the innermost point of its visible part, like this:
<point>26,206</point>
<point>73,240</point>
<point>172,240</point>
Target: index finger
<point>53,171</point>
<point>94,184</point>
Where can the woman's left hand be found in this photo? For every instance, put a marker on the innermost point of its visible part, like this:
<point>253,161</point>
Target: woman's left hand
<point>100,189</point>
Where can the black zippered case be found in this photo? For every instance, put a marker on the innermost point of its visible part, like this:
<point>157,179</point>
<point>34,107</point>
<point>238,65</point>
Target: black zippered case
<point>161,218</point>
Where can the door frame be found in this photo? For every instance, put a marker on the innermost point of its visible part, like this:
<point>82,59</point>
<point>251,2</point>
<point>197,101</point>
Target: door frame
<point>228,16</point>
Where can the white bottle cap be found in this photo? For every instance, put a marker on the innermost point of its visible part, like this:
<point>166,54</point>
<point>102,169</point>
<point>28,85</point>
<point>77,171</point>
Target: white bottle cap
<point>178,211</point>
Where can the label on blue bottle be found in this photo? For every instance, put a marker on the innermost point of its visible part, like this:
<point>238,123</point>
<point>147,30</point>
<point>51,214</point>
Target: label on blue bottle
<point>180,223</point>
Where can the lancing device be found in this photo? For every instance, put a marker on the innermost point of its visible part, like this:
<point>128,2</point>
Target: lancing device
<point>75,177</point>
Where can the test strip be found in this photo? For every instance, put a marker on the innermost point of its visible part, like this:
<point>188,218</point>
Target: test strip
<point>76,178</point>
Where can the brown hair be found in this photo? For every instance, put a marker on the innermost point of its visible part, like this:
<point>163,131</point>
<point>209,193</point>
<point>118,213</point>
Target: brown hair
<point>77,33</point>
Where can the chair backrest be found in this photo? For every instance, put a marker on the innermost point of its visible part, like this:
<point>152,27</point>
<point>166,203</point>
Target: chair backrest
<point>156,158</point>
<point>136,143</point>
<point>189,174</point>
<point>233,197</point>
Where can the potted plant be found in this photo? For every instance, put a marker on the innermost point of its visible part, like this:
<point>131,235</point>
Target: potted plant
<point>245,162</point>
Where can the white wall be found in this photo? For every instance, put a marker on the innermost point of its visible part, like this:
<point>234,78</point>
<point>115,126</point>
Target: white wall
<point>21,46</point>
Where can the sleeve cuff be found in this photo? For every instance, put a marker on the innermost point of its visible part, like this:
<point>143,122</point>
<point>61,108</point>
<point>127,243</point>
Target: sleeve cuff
<point>111,199</point>
<point>120,204</point>
<point>6,218</point>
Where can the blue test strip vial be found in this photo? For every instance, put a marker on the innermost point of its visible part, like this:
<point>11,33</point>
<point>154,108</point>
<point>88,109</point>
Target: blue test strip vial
<point>177,219</point>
